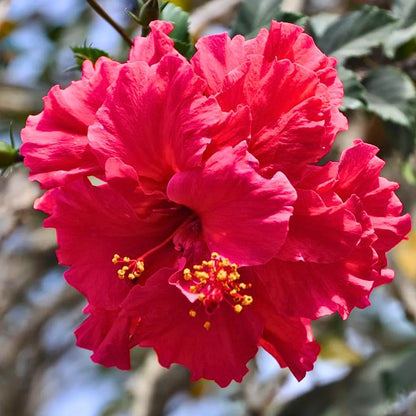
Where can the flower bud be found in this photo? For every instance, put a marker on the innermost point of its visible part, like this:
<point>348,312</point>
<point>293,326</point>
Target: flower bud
<point>8,155</point>
<point>149,12</point>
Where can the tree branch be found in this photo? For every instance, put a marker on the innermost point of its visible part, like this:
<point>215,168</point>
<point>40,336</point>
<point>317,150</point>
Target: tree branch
<point>110,20</point>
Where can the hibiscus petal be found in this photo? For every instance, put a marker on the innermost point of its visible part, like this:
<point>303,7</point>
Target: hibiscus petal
<point>376,193</point>
<point>106,332</point>
<point>152,48</point>
<point>314,290</point>
<point>216,56</point>
<point>318,233</point>
<point>93,223</point>
<point>243,216</point>
<point>166,325</point>
<point>288,339</point>
<point>55,143</point>
<point>155,119</point>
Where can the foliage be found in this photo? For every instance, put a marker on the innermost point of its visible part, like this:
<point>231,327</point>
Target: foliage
<point>82,53</point>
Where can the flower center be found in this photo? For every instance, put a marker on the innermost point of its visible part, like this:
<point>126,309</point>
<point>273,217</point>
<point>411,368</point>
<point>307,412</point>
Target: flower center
<point>216,280</point>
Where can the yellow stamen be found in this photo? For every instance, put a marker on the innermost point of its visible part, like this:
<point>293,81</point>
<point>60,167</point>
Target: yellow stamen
<point>247,300</point>
<point>238,308</point>
<point>207,325</point>
<point>133,269</point>
<point>192,313</point>
<point>217,280</point>
<point>187,275</point>
<point>222,275</point>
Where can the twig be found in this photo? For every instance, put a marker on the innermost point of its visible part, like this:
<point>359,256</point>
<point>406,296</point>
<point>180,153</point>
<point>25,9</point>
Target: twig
<point>109,19</point>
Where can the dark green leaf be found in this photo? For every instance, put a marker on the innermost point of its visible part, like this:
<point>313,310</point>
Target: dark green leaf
<point>83,53</point>
<point>253,15</point>
<point>354,92</point>
<point>321,22</point>
<point>400,137</point>
<point>355,34</point>
<point>391,95</point>
<point>405,29</point>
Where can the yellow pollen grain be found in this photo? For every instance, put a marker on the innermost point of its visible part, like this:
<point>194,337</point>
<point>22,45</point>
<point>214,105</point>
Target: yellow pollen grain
<point>192,289</point>
<point>233,292</point>
<point>192,313</point>
<point>197,267</point>
<point>248,300</point>
<point>238,308</point>
<point>131,276</point>
<point>126,259</point>
<point>207,325</point>
<point>214,255</point>
<point>116,258</point>
<point>224,263</point>
<point>234,276</point>
<point>187,274</point>
<point>201,275</point>
<point>222,275</point>
<point>242,286</point>
<point>201,297</point>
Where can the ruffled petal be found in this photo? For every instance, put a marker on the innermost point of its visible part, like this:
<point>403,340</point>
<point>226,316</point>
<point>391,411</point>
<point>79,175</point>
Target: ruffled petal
<point>167,326</point>
<point>106,333</point>
<point>244,216</point>
<point>376,193</point>
<point>156,120</point>
<point>93,223</point>
<point>288,339</point>
<point>290,342</point>
<point>281,70</point>
<point>152,48</point>
<point>313,288</point>
<point>55,143</point>
<point>318,233</point>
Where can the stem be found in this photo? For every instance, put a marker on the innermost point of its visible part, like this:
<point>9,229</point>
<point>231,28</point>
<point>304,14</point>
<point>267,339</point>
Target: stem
<point>11,135</point>
<point>108,18</point>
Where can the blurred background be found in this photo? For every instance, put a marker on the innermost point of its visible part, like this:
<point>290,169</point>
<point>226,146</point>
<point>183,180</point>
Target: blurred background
<point>368,364</point>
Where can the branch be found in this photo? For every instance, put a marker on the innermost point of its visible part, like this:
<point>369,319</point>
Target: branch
<point>109,19</point>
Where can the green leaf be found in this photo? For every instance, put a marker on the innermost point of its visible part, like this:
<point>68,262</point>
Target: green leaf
<point>253,15</point>
<point>391,95</point>
<point>321,22</point>
<point>405,29</point>
<point>354,92</point>
<point>408,172</point>
<point>357,33</point>
<point>400,137</point>
<point>180,33</point>
<point>83,53</point>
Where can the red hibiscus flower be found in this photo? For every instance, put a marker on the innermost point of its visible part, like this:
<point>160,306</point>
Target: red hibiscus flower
<point>190,212</point>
